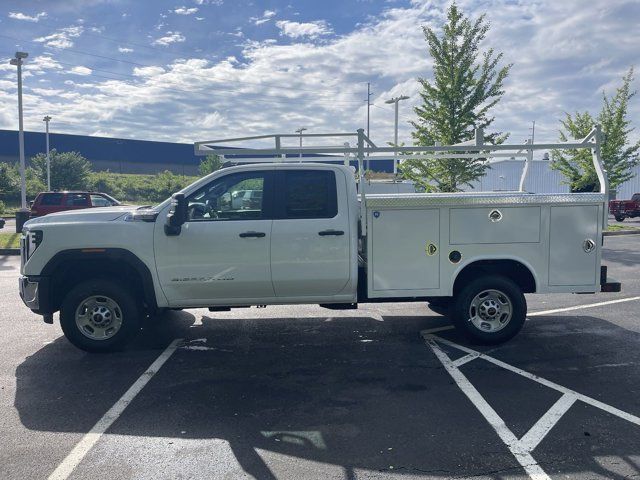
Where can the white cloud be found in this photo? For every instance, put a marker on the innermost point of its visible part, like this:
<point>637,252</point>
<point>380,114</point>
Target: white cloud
<point>125,50</point>
<point>62,38</point>
<point>266,16</point>
<point>199,18</point>
<point>81,70</point>
<point>169,38</point>
<point>298,30</point>
<point>217,3</point>
<point>185,10</point>
<point>27,18</point>
<point>148,71</point>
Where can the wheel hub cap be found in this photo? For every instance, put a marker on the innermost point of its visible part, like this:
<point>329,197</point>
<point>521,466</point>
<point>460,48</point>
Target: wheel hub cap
<point>98,317</point>
<point>490,310</point>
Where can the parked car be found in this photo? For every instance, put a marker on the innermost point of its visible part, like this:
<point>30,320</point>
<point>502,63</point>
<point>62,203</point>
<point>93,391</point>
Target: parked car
<point>622,209</point>
<point>252,200</point>
<point>2,222</point>
<point>51,202</point>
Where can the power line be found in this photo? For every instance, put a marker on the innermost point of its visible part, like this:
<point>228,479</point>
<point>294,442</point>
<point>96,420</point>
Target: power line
<point>138,64</point>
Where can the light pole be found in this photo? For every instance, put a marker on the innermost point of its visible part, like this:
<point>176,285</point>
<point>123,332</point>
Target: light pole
<point>17,61</point>
<point>396,100</point>
<point>46,120</point>
<point>23,213</point>
<point>300,130</point>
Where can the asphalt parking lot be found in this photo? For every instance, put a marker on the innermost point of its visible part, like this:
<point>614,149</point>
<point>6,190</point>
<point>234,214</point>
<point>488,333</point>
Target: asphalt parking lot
<point>387,391</point>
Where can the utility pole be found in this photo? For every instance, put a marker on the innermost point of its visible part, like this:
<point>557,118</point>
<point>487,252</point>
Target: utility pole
<point>46,120</point>
<point>368,100</point>
<point>396,100</point>
<point>533,132</point>
<point>300,130</point>
<point>23,214</point>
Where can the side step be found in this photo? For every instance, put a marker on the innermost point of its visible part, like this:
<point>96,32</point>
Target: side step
<point>340,306</point>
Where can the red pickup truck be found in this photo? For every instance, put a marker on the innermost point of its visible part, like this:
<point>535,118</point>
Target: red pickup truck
<point>622,209</point>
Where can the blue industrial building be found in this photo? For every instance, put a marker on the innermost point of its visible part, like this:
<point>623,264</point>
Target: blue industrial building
<point>120,155</point>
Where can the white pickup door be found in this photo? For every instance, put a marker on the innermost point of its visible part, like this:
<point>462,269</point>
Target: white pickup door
<point>310,237</point>
<point>292,241</point>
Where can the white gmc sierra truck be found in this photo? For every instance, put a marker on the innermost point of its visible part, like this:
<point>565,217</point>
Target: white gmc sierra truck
<point>306,236</point>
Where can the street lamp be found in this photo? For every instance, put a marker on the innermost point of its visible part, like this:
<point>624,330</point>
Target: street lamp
<point>46,120</point>
<point>396,100</point>
<point>23,213</point>
<point>300,130</point>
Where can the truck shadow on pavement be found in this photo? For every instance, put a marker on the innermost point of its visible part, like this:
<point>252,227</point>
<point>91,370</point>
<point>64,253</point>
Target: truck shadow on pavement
<point>350,393</point>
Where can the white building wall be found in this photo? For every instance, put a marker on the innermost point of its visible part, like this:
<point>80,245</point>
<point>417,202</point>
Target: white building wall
<point>505,175</point>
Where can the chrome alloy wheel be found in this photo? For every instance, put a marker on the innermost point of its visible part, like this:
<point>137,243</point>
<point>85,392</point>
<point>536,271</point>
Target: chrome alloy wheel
<point>490,311</point>
<point>98,317</point>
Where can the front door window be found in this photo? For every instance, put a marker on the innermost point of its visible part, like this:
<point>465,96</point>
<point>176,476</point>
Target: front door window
<point>233,197</point>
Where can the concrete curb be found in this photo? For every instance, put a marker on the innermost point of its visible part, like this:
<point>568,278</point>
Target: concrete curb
<point>9,251</point>
<point>621,232</point>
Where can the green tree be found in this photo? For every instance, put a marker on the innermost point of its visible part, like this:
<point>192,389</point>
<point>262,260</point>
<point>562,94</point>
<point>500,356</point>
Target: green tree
<point>9,184</point>
<point>166,184</point>
<point>618,155</point>
<point>69,170</point>
<point>210,164</point>
<point>466,84</point>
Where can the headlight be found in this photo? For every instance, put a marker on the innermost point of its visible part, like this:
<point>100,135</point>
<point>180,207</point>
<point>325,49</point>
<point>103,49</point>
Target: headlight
<point>29,242</point>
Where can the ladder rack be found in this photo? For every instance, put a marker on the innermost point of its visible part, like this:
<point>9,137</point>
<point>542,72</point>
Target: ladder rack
<point>365,149</point>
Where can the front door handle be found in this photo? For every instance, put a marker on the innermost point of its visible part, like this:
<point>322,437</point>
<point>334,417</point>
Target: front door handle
<point>252,234</point>
<point>324,233</point>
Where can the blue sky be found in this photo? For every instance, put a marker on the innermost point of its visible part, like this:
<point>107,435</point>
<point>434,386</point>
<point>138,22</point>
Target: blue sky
<point>189,70</point>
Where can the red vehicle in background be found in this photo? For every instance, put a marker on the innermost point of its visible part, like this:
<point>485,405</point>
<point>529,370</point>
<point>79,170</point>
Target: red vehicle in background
<point>51,202</point>
<point>622,209</point>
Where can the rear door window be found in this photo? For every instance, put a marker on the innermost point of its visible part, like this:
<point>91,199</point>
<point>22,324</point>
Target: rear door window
<point>49,199</point>
<point>309,194</point>
<point>76,200</point>
<point>100,201</point>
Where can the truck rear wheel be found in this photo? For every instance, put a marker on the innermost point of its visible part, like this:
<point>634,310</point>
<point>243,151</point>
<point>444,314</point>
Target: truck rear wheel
<point>99,315</point>
<point>619,218</point>
<point>489,309</point>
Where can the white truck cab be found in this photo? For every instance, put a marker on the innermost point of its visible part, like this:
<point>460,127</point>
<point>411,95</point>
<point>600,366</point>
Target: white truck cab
<point>305,235</point>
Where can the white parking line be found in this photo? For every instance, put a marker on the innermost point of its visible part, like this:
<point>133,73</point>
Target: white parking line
<point>523,457</point>
<point>534,436</point>
<point>89,440</point>
<point>522,448</point>
<point>578,307</point>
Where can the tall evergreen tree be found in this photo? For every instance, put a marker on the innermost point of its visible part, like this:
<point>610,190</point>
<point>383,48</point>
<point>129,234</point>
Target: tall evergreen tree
<point>618,155</point>
<point>466,84</point>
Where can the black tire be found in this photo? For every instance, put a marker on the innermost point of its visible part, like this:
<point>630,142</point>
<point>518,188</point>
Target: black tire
<point>127,311</point>
<point>619,218</point>
<point>462,305</point>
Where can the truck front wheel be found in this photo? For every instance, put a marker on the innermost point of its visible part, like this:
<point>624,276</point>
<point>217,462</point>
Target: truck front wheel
<point>489,309</point>
<point>99,315</point>
<point>619,218</point>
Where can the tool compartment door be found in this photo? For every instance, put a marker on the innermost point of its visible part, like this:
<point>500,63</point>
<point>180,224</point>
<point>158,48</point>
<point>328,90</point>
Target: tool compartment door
<point>570,263</point>
<point>401,257</point>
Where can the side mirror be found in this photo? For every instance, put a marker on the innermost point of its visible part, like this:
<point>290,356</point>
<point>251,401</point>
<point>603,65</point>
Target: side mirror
<point>177,214</point>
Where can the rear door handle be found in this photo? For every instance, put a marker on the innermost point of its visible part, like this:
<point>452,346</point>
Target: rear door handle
<point>252,234</point>
<point>324,233</point>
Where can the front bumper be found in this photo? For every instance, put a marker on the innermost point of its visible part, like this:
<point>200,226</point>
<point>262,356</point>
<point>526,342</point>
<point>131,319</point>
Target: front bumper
<point>34,292</point>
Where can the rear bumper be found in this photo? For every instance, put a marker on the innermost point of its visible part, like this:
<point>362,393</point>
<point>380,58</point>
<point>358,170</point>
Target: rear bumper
<point>34,292</point>
<point>606,284</point>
